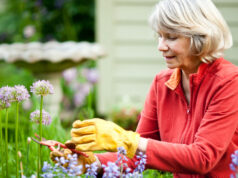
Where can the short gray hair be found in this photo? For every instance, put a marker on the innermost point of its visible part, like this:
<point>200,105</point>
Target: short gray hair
<point>199,20</point>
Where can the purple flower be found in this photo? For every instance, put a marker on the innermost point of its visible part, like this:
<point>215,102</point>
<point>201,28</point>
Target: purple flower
<point>73,169</point>
<point>6,97</point>
<point>91,170</point>
<point>234,163</point>
<point>82,91</point>
<point>46,167</point>
<point>69,75</point>
<point>42,88</point>
<point>79,99</point>
<point>121,156</point>
<point>35,117</point>
<point>91,75</point>
<point>140,163</point>
<point>20,93</point>
<point>111,170</point>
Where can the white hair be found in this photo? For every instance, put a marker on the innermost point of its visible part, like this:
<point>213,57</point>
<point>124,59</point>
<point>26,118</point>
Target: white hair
<point>199,20</point>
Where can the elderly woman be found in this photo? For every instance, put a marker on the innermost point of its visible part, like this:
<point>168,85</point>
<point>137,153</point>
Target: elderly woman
<point>189,122</point>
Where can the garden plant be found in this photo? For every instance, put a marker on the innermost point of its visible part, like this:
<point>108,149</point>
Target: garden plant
<point>28,159</point>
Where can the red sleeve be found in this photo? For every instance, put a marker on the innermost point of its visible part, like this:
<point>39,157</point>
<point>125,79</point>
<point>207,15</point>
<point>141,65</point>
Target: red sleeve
<point>214,135</point>
<point>148,124</point>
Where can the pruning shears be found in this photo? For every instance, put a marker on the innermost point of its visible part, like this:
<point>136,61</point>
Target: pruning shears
<point>52,144</point>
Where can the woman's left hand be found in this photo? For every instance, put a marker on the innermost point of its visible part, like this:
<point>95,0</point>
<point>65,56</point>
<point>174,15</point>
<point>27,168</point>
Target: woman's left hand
<point>98,134</point>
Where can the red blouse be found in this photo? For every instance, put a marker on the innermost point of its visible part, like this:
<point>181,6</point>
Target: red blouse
<point>193,139</point>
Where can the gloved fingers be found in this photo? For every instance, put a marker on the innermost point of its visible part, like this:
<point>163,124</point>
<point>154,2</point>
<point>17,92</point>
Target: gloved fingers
<point>66,152</point>
<point>83,131</point>
<point>54,154</point>
<point>78,123</point>
<point>88,147</point>
<point>84,139</point>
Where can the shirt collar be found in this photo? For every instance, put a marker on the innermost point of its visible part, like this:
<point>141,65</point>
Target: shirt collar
<point>175,77</point>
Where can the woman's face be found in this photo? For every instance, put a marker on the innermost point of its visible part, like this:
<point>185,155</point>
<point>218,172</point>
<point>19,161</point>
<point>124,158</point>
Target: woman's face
<point>176,52</point>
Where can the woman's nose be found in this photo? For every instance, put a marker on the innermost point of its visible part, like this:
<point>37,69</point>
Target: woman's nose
<point>162,46</point>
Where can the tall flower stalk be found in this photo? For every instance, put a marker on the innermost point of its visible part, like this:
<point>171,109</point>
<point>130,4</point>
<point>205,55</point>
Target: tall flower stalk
<point>41,88</point>
<point>1,140</point>
<point>6,98</point>
<point>19,93</point>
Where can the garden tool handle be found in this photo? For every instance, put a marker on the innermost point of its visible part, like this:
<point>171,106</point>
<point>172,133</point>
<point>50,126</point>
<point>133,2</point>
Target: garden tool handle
<point>52,143</point>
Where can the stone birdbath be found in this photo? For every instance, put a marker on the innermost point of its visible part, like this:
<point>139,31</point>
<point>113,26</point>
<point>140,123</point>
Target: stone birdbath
<point>48,60</point>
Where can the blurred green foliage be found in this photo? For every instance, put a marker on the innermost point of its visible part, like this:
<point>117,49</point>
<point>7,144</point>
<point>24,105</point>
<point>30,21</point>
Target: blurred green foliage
<point>42,20</point>
<point>60,20</point>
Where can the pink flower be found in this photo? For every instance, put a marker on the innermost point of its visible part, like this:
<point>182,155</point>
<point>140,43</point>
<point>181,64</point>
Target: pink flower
<point>42,88</point>
<point>46,118</point>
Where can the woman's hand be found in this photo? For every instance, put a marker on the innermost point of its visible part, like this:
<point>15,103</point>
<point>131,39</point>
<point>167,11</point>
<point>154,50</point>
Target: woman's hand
<point>81,159</point>
<point>98,134</point>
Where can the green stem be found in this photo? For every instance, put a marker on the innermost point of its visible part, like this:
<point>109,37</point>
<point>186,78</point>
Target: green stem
<point>89,103</point>
<point>6,141</point>
<point>1,141</point>
<point>27,157</point>
<point>40,131</point>
<point>16,135</point>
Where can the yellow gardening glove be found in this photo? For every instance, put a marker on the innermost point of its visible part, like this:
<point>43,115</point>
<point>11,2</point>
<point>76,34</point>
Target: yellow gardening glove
<point>97,134</point>
<point>81,159</point>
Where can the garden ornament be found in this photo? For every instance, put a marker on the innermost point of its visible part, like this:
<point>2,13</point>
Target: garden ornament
<point>52,144</point>
<point>98,134</point>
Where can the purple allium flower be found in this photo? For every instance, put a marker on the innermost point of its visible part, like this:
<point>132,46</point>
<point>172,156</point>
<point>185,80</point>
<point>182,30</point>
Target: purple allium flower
<point>42,87</point>
<point>81,92</point>
<point>69,75</point>
<point>20,93</point>
<point>6,97</point>
<point>91,75</point>
<point>111,170</point>
<point>91,170</point>
<point>140,163</point>
<point>234,163</point>
<point>35,117</point>
<point>79,99</point>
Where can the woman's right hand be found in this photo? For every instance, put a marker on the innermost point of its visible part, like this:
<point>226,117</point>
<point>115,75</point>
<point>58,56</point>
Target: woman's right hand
<point>82,160</point>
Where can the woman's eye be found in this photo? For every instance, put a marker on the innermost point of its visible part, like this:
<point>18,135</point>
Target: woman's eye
<point>172,37</point>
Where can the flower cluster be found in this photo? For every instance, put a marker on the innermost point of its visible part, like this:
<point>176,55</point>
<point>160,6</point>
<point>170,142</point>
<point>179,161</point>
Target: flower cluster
<point>46,118</point>
<point>234,164</point>
<point>20,93</point>
<point>42,88</point>
<point>91,170</point>
<point>116,169</point>
<point>80,82</point>
<point>63,167</point>
<point>69,167</point>
<point>6,97</point>
<point>111,170</point>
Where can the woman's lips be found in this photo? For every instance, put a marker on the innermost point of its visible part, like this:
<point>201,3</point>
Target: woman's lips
<point>169,57</point>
